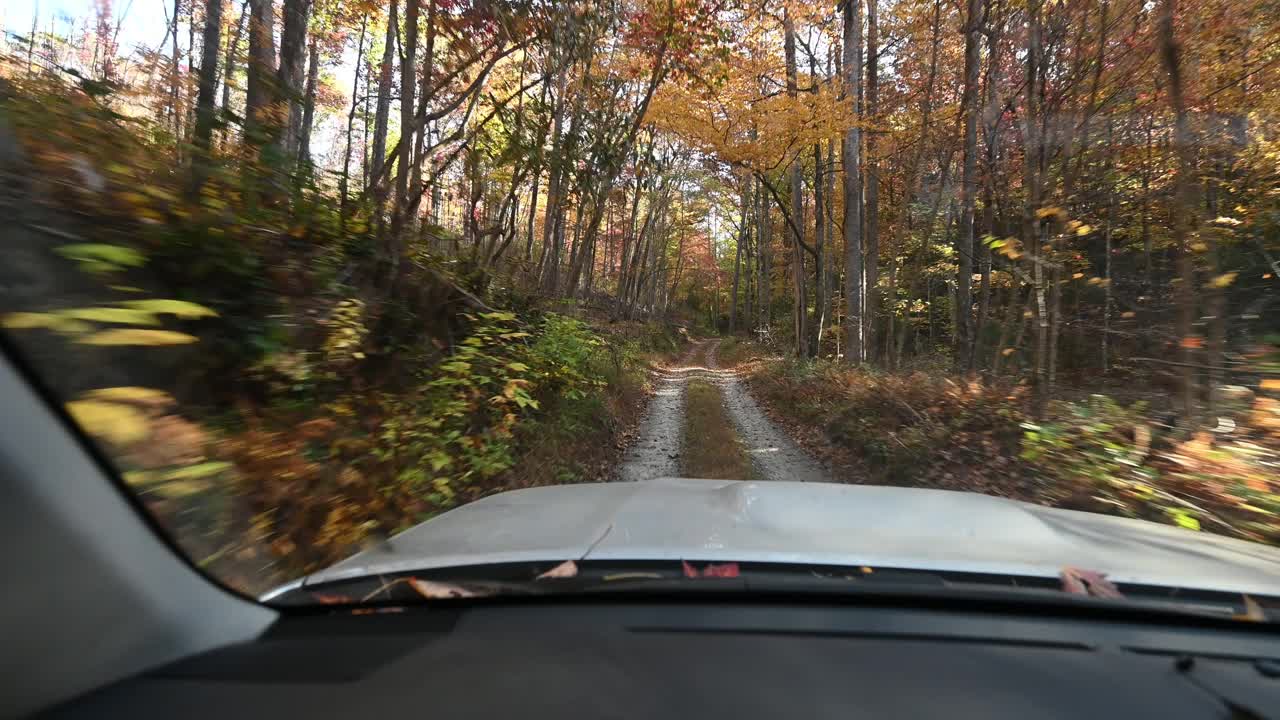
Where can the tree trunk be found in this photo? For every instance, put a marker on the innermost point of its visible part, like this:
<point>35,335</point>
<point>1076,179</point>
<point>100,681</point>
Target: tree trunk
<point>1106,238</point>
<point>175,96</point>
<point>1032,150</point>
<point>871,306</point>
<point>533,210</point>
<point>853,265</point>
<point>991,124</point>
<point>344,180</point>
<point>1181,219</point>
<point>963,341</point>
<point>1147,243</point>
<point>261,127</point>
<point>400,222</point>
<point>550,254</point>
<point>293,48</point>
<point>229,67</point>
<point>800,309</point>
<point>382,113</point>
<point>819,246</point>
<point>765,232</point>
<point>737,259</point>
<point>425,80</point>
<point>202,138</point>
<point>309,107</point>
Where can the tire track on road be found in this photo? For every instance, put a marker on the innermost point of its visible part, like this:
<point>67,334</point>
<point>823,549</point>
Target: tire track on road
<point>656,450</point>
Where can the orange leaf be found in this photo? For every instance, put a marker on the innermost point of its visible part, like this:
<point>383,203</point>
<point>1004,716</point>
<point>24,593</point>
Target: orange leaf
<point>566,569</point>
<point>439,590</point>
<point>1192,342</point>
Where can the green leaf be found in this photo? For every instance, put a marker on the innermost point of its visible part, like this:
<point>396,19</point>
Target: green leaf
<point>196,472</point>
<point>517,367</point>
<point>180,308</point>
<point>102,257</point>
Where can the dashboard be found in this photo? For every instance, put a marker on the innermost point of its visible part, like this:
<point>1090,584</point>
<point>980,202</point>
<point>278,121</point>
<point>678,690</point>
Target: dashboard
<point>642,659</point>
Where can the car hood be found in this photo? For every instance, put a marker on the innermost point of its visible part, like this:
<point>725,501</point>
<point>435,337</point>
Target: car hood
<point>814,523</point>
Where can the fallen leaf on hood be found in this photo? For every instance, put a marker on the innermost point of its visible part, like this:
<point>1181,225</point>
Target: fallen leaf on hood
<point>328,599</point>
<point>439,590</point>
<point>1078,581</point>
<point>566,569</point>
<point>725,570</point>
<point>1252,611</point>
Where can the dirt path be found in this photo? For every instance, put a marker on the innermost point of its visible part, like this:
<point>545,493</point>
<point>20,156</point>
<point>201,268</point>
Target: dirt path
<point>656,451</point>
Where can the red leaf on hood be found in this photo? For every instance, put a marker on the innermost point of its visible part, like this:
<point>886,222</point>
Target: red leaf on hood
<point>725,570</point>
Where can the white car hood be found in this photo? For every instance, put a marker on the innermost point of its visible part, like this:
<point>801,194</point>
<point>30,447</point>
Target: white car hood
<point>817,523</point>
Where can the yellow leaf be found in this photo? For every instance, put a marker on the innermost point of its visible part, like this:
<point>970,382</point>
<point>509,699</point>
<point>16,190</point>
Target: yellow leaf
<point>1223,280</point>
<point>134,336</point>
<point>119,424</point>
<point>159,193</point>
<point>1077,276</point>
<point>1083,230</point>
<point>122,316</point>
<point>179,308</point>
<point>1007,352</point>
<point>1270,384</point>
<point>196,472</point>
<point>50,321</point>
<point>131,395</point>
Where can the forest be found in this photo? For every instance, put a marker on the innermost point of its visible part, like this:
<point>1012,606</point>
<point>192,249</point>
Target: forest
<point>312,271</point>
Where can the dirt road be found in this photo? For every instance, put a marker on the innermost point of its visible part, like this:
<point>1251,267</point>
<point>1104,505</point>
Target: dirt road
<point>656,452</point>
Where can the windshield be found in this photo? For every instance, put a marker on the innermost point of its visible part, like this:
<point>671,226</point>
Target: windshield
<point>312,273</point>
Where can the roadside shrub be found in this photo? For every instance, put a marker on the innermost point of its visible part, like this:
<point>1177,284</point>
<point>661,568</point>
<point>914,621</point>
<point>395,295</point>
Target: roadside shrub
<point>1096,448</point>
<point>902,429</point>
<point>567,357</point>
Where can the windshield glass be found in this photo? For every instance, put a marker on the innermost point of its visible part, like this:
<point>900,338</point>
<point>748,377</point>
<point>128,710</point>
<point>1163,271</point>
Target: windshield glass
<point>311,273</point>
